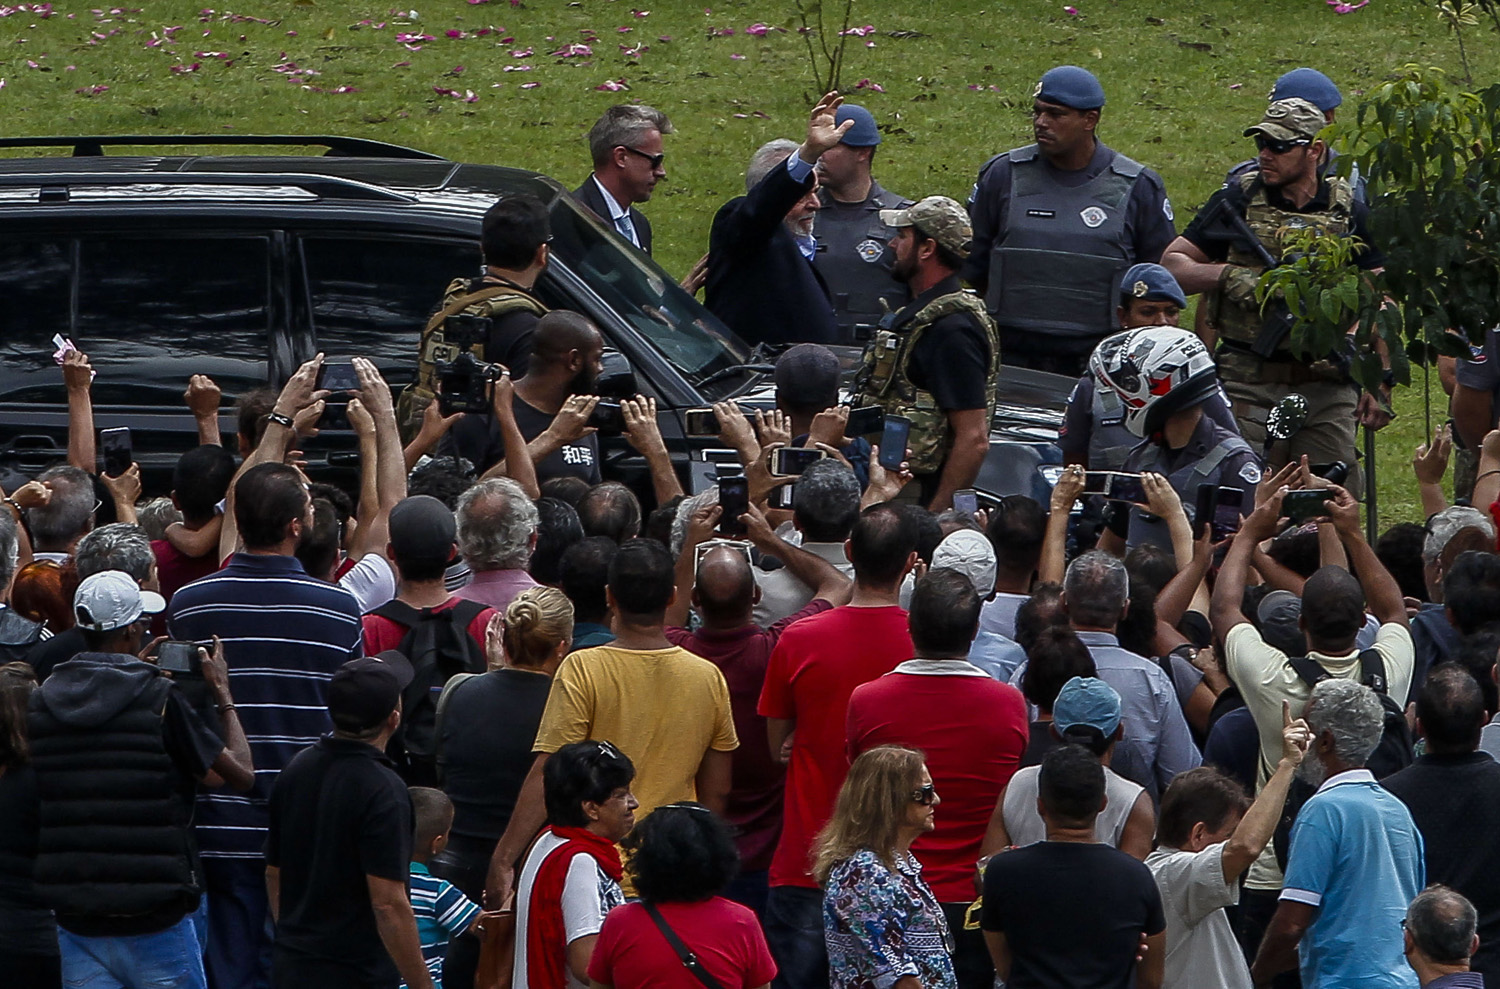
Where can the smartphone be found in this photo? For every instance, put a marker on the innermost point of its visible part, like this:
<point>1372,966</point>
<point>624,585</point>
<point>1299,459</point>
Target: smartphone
<point>734,499</point>
<point>966,501</point>
<point>178,657</point>
<point>1228,504</point>
<point>863,422</point>
<point>337,376</point>
<point>720,455</point>
<point>1127,487</point>
<point>789,461</point>
<point>782,497</point>
<point>893,436</point>
<point>1203,508</point>
<point>1299,506</point>
<point>607,417</point>
<point>1097,482</point>
<point>335,415</point>
<point>701,422</point>
<point>115,447</point>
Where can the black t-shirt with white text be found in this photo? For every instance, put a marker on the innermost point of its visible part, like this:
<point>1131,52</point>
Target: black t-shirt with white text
<point>477,439</point>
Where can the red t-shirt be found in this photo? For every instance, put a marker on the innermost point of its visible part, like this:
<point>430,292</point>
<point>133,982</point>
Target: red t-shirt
<point>175,570</point>
<point>742,654</point>
<point>813,670</point>
<point>631,952</point>
<point>381,633</point>
<point>973,731</point>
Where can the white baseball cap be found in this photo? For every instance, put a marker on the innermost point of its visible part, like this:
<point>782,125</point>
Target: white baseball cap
<point>971,554</point>
<point>112,599</point>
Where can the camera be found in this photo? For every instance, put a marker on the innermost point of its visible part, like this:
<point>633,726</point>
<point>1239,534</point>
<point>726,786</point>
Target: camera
<point>465,379</point>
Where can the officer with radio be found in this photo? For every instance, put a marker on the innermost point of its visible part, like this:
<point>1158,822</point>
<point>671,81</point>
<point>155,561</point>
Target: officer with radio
<point>1093,432</point>
<point>1163,377</point>
<point>853,255</point>
<point>1066,202</point>
<point>1232,241</point>
<point>935,362</point>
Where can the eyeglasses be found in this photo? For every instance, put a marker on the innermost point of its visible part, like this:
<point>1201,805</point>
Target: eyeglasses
<point>925,795</point>
<point>1263,143</point>
<point>655,159</point>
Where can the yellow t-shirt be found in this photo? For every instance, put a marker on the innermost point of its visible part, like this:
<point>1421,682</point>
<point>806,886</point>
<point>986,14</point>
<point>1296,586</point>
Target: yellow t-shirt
<point>664,708</point>
<point>1265,679</point>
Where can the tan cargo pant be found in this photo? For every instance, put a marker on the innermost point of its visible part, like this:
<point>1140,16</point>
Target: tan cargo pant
<point>1326,436</point>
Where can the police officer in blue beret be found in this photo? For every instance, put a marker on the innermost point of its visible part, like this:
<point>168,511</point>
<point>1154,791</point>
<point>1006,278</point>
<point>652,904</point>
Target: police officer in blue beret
<point>854,256</point>
<point>1056,224</point>
<point>1093,432</point>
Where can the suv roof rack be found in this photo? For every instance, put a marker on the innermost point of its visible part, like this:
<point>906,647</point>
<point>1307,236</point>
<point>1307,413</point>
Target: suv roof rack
<point>352,147</point>
<point>55,187</point>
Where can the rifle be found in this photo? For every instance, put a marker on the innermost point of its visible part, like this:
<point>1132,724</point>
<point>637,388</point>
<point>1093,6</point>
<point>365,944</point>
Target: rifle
<point>1224,223</point>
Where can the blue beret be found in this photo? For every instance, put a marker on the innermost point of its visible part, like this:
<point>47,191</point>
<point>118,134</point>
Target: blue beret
<point>1153,283</point>
<point>1068,85</point>
<point>1310,85</point>
<point>864,133</point>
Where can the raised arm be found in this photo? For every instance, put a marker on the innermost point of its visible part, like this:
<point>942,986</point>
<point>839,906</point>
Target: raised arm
<point>202,399</point>
<point>1430,463</point>
<point>814,571</point>
<point>389,466</point>
<point>643,433</point>
<point>78,378</point>
<point>700,529</point>
<point>1382,593</point>
<point>1257,827</point>
<point>1054,559</point>
<point>1229,590</point>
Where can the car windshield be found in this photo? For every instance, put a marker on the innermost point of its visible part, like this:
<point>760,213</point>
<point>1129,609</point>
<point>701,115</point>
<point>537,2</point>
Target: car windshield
<point>690,337</point>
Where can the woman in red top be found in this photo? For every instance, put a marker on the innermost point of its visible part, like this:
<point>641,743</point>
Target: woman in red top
<point>682,859</point>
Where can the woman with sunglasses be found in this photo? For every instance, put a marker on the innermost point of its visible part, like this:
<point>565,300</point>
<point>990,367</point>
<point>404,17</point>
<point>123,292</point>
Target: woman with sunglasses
<point>571,877</point>
<point>882,925</point>
<point>681,858</point>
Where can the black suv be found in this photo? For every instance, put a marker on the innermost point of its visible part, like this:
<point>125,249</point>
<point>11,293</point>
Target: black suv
<point>241,266</point>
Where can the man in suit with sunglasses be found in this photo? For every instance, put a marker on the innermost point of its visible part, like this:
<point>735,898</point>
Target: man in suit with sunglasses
<point>1256,365</point>
<point>626,148</point>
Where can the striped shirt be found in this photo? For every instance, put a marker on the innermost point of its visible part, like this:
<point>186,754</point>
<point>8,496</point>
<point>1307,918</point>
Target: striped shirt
<point>284,634</point>
<point>442,913</point>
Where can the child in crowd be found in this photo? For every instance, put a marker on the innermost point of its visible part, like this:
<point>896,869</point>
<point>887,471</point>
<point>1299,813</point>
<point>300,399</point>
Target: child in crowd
<point>442,911</point>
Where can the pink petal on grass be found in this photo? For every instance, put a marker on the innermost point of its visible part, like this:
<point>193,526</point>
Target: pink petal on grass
<point>758,29</point>
<point>640,13</point>
<point>664,38</point>
<point>1071,11</point>
<point>624,29</point>
<point>612,85</point>
<point>1236,85</point>
<point>873,87</point>
<point>528,85</point>
<point>522,53</point>
<point>737,57</point>
<point>516,68</point>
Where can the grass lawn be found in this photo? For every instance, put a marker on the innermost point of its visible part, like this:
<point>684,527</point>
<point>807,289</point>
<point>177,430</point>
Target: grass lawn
<point>520,84</point>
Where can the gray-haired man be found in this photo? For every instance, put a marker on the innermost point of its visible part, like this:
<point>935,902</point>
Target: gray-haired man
<point>626,148</point>
<point>1440,938</point>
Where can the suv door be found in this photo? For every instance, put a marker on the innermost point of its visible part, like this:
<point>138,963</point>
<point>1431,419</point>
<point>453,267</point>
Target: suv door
<point>150,310</point>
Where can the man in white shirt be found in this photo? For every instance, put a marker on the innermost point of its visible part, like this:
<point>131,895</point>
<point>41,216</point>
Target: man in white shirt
<point>625,145</point>
<point>825,503</point>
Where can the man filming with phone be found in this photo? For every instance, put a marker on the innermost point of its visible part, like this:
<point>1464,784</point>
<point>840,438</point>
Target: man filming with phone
<point>936,360</point>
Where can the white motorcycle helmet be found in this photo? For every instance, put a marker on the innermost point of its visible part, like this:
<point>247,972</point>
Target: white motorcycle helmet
<point>1155,371</point>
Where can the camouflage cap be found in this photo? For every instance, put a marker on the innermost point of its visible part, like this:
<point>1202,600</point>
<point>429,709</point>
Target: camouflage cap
<point>937,217</point>
<point>1290,120</point>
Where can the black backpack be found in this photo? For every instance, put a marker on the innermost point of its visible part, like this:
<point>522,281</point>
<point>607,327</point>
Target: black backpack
<point>1394,751</point>
<point>438,646</point>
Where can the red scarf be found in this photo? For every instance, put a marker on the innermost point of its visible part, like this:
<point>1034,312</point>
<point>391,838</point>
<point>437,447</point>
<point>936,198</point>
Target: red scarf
<point>546,936</point>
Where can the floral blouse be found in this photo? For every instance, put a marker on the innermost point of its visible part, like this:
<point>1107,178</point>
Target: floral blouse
<point>882,925</point>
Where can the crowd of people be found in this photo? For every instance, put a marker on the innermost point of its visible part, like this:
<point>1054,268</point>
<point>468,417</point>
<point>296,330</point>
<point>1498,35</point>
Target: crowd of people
<point>488,718</point>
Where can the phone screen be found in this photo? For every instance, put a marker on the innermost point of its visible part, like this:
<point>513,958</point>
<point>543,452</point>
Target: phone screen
<point>1128,487</point>
<point>1299,506</point>
<point>734,499</point>
<point>177,657</point>
<point>1203,508</point>
<point>335,415</point>
<point>862,422</point>
<point>1096,482</point>
<point>337,376</point>
<point>1226,517</point>
<point>789,460</point>
<point>607,417</point>
<point>701,422</point>
<point>966,501</point>
<point>115,447</point>
<point>893,437</point>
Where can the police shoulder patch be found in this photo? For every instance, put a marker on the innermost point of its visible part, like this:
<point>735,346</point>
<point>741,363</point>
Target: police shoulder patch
<point>1166,208</point>
<point>1250,472</point>
<point>869,250</point>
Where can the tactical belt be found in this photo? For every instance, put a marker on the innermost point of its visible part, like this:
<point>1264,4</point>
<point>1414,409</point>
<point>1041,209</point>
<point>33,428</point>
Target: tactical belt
<point>1287,371</point>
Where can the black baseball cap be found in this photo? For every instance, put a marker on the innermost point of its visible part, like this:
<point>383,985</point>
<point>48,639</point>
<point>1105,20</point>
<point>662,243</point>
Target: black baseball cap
<point>422,528</point>
<point>364,691</point>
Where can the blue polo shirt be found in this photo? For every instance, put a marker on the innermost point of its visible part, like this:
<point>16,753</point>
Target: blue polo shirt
<point>1357,857</point>
<point>442,913</point>
<point>284,634</point>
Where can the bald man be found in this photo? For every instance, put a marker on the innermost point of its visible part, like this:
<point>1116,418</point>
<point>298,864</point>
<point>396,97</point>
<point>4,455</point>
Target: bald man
<point>724,592</point>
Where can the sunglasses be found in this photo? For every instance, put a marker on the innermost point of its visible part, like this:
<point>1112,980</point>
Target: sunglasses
<point>1263,143</point>
<point>925,795</point>
<point>655,159</point>
<point>604,751</point>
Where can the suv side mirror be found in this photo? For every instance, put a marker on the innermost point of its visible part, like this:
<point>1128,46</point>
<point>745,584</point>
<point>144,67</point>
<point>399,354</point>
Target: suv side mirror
<point>617,377</point>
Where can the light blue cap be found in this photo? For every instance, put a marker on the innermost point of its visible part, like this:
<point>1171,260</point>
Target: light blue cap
<point>1310,85</point>
<point>1071,86</point>
<point>1087,701</point>
<point>864,133</point>
<point>1153,283</point>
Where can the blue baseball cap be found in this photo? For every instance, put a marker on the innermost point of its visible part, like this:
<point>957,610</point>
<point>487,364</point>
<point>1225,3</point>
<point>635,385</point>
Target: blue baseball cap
<point>1310,85</point>
<point>1070,86</point>
<point>1087,701</point>
<point>864,133</point>
<point>1153,283</point>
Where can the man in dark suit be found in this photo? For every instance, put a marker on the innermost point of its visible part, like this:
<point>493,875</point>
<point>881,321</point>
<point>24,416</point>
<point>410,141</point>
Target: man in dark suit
<point>761,280</point>
<point>626,147</point>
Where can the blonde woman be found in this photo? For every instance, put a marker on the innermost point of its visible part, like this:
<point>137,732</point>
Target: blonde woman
<point>485,732</point>
<point>882,925</point>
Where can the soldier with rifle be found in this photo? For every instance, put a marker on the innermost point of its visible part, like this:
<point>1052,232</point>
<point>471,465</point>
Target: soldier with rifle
<point>1237,236</point>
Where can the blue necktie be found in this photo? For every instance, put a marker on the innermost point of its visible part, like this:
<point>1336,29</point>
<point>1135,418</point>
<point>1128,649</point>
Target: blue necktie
<point>626,228</point>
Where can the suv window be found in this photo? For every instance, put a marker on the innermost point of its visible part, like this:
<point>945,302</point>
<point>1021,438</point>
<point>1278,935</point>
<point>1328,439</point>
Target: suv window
<point>371,297</point>
<point>149,312</point>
